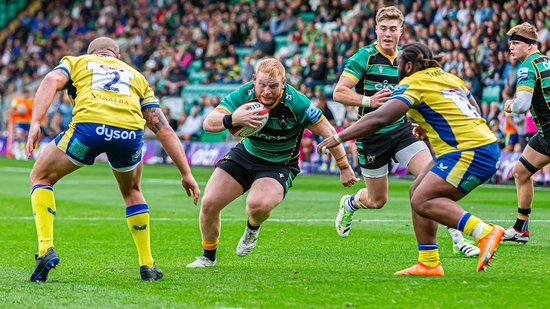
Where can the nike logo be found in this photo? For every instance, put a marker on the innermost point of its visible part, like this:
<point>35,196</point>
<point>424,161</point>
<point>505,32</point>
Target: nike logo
<point>53,212</point>
<point>442,167</point>
<point>139,228</point>
<point>487,255</point>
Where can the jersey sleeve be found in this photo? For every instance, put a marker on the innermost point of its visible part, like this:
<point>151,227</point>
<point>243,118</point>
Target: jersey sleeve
<point>526,77</point>
<point>146,94</point>
<point>405,91</point>
<point>354,69</point>
<point>65,64</point>
<point>149,99</point>
<point>237,98</point>
<point>308,114</point>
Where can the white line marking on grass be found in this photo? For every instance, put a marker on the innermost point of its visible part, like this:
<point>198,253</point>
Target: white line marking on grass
<point>241,219</point>
<point>19,170</point>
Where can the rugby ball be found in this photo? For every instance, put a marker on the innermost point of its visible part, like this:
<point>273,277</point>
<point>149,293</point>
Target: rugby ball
<point>245,131</point>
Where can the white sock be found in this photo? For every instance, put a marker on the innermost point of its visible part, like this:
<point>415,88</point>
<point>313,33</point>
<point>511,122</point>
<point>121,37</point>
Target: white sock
<point>478,229</point>
<point>456,235</point>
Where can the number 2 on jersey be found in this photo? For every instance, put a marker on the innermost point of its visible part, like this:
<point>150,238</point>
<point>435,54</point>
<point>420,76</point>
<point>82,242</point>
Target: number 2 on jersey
<point>110,78</point>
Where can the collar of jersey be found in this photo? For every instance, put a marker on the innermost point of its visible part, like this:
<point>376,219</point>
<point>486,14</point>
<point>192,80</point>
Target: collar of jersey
<point>391,58</point>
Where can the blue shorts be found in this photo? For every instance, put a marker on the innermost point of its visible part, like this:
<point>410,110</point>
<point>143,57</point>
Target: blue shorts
<point>467,169</point>
<point>22,127</point>
<point>83,142</point>
<point>512,139</point>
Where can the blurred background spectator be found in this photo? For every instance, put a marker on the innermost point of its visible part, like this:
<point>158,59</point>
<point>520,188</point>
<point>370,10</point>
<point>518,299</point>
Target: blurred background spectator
<point>201,50</point>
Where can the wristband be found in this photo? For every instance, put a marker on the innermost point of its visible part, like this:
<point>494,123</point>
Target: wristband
<point>342,162</point>
<point>228,122</point>
<point>337,138</point>
<point>366,101</point>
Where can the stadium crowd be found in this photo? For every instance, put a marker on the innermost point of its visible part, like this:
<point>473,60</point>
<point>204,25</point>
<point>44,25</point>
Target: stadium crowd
<point>177,43</point>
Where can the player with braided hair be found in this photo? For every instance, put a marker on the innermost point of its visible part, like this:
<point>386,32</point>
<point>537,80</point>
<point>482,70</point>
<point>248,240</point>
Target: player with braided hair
<point>369,77</point>
<point>466,154</point>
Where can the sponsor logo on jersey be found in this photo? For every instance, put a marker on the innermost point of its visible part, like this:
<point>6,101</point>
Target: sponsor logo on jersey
<point>400,89</point>
<point>110,68</point>
<point>288,96</point>
<point>523,74</point>
<point>384,85</point>
<point>111,134</point>
<point>313,113</point>
<point>270,137</point>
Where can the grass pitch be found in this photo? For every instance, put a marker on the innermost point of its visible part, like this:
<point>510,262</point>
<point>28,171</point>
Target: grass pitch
<point>299,262</point>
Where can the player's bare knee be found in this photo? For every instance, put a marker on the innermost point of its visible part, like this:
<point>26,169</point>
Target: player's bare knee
<point>521,174</point>
<point>258,210</point>
<point>419,204</point>
<point>38,178</point>
<point>210,206</point>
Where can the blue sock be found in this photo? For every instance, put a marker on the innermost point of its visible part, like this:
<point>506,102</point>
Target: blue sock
<point>349,203</point>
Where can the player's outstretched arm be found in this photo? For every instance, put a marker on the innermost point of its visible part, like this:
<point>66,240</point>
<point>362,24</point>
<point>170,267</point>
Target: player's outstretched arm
<point>52,82</point>
<point>347,175</point>
<point>368,124</point>
<point>156,121</point>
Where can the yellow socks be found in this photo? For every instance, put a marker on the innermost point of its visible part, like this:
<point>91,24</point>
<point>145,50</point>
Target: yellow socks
<point>210,245</point>
<point>137,217</point>
<point>472,225</point>
<point>428,254</point>
<point>43,208</point>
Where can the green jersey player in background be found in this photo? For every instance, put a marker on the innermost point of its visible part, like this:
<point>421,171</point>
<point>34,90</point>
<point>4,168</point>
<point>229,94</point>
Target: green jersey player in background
<point>372,70</point>
<point>264,164</point>
<point>533,91</point>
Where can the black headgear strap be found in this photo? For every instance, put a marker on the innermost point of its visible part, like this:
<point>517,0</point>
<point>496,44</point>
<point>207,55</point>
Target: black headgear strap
<point>515,37</point>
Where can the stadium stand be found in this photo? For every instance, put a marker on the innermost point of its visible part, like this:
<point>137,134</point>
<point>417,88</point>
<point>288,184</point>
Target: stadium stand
<point>215,44</point>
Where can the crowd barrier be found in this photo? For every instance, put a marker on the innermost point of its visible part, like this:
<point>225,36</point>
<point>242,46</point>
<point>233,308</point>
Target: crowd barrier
<point>207,154</point>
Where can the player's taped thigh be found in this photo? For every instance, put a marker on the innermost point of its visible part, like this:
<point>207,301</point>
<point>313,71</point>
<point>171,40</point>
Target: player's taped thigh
<point>528,165</point>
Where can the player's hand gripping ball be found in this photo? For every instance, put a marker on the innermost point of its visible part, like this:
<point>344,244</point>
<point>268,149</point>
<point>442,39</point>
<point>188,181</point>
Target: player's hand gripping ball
<point>245,131</point>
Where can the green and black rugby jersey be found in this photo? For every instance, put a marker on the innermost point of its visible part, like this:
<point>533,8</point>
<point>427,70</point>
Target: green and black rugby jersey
<point>279,140</point>
<point>372,71</point>
<point>534,76</point>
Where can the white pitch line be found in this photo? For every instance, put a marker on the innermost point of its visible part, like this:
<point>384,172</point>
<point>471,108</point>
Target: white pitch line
<point>241,219</point>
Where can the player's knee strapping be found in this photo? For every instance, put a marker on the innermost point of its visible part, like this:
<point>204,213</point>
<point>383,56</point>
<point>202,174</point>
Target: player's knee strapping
<point>528,165</point>
<point>357,200</point>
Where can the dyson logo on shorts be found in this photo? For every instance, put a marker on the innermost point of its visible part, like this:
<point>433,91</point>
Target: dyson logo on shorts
<point>114,134</point>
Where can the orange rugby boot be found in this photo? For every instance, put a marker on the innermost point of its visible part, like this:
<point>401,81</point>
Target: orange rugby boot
<point>488,246</point>
<point>421,269</point>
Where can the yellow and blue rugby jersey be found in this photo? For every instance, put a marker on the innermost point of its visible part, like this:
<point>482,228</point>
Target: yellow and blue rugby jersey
<point>440,105</point>
<point>106,90</point>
